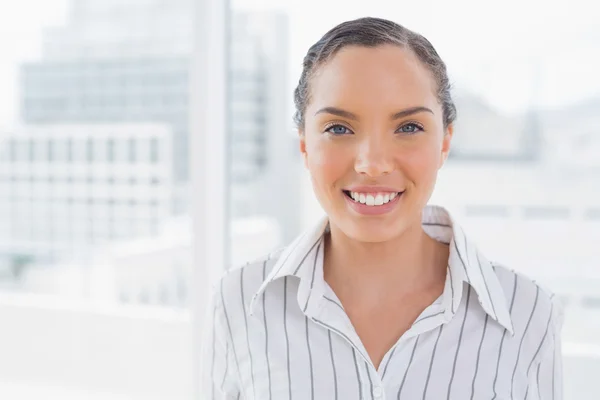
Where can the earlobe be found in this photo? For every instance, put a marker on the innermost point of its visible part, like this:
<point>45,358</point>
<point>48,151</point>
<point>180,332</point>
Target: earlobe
<point>447,141</point>
<point>303,149</point>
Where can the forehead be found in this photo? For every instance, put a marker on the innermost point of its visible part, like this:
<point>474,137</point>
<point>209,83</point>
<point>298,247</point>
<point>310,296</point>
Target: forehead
<point>382,76</point>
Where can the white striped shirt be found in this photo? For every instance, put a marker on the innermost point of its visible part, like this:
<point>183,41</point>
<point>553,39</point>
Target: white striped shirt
<point>279,332</point>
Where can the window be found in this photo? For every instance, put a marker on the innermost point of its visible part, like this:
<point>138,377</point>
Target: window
<point>50,149</point>
<point>90,56</point>
<point>163,296</point>
<point>593,214</point>
<point>110,150</point>
<point>32,148</point>
<point>132,151</point>
<point>153,227</point>
<point>69,150</point>
<point>591,302</point>
<point>545,213</point>
<point>89,149</point>
<point>12,150</point>
<point>486,211</point>
<point>154,150</point>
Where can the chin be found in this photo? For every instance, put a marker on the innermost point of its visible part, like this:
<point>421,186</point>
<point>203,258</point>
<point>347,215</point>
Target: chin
<point>370,230</point>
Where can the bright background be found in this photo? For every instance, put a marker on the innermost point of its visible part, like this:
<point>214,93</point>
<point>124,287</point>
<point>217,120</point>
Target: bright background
<point>115,131</point>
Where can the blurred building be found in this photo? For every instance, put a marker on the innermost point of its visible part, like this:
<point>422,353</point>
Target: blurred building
<point>65,189</point>
<point>483,133</point>
<point>110,91</point>
<point>129,61</point>
<point>264,156</point>
<point>151,270</point>
<point>573,138</point>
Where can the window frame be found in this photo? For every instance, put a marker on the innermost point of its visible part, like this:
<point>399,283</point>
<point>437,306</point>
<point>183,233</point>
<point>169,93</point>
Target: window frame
<point>208,164</point>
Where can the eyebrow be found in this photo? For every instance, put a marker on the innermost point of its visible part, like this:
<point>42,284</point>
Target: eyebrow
<point>347,114</point>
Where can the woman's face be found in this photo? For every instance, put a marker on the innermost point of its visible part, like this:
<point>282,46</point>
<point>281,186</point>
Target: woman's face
<point>373,140</point>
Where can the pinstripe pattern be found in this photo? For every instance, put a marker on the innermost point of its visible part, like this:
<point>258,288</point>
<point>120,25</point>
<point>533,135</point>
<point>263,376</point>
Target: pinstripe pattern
<point>412,356</point>
<point>287,338</point>
<point>226,368</point>
<point>388,362</point>
<point>334,302</point>
<point>370,380</point>
<point>358,378</point>
<point>429,316</point>
<point>267,360</point>
<point>460,342</point>
<point>450,280</point>
<point>314,269</point>
<point>535,303</point>
<point>304,347</point>
<point>335,387</point>
<point>426,386</point>
<point>310,363</point>
<point>246,326</point>
<point>487,318</point>
<point>512,303</point>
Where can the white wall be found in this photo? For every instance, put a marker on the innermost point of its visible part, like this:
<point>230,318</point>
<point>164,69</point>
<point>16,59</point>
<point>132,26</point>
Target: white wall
<point>135,353</point>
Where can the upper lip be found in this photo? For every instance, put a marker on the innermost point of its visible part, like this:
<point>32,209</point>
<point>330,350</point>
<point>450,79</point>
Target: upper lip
<point>372,189</point>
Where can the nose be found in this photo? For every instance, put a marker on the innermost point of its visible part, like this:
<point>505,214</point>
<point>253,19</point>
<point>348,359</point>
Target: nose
<point>374,157</point>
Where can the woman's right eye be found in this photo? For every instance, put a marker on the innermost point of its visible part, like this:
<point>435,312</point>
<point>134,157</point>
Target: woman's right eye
<point>338,130</point>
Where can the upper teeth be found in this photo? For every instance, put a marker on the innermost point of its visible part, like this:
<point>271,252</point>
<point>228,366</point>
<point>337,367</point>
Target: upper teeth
<point>373,199</point>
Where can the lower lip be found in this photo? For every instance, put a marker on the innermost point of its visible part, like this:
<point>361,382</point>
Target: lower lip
<point>373,210</point>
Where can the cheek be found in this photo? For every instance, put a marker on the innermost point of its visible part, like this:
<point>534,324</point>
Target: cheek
<point>327,163</point>
<point>421,165</point>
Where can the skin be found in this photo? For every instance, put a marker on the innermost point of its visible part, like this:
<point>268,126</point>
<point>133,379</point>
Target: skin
<point>384,268</point>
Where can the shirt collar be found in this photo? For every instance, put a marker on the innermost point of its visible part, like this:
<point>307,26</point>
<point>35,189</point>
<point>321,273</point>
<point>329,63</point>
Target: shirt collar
<point>467,264</point>
<point>303,258</point>
<point>294,260</point>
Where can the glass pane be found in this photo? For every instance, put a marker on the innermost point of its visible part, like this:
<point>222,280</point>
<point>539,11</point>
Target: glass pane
<point>523,174</point>
<point>95,233</point>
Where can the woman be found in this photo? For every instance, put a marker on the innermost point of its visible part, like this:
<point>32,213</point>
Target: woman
<point>385,298</point>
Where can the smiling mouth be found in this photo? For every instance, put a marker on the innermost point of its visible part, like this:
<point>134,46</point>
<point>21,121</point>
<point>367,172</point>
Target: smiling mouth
<point>372,199</point>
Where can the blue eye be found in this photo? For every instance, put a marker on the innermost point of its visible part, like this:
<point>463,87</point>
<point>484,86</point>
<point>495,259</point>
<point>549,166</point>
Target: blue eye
<point>338,130</point>
<point>410,128</point>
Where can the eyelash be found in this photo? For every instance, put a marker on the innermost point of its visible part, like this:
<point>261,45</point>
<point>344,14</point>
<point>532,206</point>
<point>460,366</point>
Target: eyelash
<point>418,127</point>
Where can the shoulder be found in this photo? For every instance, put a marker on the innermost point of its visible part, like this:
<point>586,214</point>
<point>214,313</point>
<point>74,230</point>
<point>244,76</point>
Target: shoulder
<point>531,304</point>
<point>238,284</point>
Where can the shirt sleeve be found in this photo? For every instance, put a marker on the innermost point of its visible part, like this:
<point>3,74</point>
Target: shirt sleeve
<point>549,374</point>
<point>218,367</point>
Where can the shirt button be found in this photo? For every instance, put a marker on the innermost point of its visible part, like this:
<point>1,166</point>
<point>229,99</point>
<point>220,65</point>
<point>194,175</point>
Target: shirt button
<point>377,392</point>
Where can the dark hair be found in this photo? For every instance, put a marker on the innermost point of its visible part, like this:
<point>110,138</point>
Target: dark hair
<point>372,32</point>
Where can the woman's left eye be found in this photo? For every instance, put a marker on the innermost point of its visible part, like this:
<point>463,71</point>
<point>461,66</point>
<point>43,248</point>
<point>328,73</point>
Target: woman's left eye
<point>410,128</point>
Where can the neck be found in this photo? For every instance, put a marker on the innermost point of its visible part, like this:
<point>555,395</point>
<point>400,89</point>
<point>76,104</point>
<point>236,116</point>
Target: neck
<point>409,262</point>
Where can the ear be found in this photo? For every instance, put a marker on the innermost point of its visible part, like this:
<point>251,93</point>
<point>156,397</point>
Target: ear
<point>446,142</point>
<point>302,138</point>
